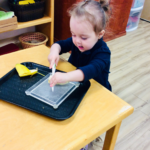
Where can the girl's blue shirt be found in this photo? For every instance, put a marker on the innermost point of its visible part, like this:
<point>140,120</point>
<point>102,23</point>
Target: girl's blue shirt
<point>94,63</point>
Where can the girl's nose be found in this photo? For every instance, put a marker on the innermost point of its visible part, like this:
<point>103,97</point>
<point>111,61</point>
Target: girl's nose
<point>78,40</point>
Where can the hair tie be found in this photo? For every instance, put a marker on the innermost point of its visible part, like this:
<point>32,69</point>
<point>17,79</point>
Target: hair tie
<point>101,2</point>
<point>86,2</point>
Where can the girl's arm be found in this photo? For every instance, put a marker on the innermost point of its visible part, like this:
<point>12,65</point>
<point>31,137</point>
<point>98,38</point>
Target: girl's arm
<point>53,57</point>
<point>57,48</point>
<point>59,77</point>
<point>65,45</point>
<point>76,75</point>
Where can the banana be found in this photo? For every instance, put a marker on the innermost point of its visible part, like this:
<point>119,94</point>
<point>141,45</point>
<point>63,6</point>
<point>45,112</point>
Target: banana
<point>24,71</point>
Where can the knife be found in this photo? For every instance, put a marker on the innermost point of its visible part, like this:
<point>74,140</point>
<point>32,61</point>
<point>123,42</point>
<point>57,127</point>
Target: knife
<point>53,72</point>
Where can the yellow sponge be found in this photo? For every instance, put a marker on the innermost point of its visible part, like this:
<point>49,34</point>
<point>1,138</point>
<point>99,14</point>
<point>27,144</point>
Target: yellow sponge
<point>25,2</point>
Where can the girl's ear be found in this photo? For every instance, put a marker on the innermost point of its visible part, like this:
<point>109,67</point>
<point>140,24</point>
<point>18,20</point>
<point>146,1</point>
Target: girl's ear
<point>100,34</point>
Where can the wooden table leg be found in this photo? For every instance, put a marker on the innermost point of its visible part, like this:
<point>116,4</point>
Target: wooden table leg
<point>111,137</point>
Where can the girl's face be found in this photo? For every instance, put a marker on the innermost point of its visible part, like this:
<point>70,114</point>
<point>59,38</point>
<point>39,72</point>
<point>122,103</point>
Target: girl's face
<point>83,34</point>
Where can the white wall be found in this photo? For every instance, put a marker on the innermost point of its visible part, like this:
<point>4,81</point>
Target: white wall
<point>3,4</point>
<point>14,33</point>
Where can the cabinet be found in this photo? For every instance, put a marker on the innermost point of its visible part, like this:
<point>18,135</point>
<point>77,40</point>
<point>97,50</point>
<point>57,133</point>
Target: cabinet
<point>44,25</point>
<point>115,28</point>
<point>146,11</point>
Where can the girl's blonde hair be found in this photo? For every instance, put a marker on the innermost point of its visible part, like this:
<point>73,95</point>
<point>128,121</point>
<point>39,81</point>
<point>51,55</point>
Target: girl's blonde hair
<point>97,13</point>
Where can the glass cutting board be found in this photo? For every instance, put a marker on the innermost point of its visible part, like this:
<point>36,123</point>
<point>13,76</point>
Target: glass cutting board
<point>43,92</point>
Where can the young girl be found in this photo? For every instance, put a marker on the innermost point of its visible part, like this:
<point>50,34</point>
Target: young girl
<point>89,53</point>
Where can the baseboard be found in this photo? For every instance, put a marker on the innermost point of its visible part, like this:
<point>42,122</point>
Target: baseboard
<point>114,36</point>
<point>145,20</point>
<point>14,40</point>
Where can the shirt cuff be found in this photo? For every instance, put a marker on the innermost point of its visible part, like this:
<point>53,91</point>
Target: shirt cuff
<point>88,72</point>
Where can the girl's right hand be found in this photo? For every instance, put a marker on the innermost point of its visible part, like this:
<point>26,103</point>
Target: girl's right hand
<point>53,57</point>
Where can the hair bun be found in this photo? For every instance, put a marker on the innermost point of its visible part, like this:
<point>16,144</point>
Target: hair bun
<point>105,5</point>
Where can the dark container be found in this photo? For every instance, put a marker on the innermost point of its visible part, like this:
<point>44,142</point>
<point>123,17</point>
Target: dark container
<point>28,12</point>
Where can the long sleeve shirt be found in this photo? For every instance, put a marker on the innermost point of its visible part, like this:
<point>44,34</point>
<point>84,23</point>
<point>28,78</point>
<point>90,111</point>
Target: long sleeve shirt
<point>94,63</point>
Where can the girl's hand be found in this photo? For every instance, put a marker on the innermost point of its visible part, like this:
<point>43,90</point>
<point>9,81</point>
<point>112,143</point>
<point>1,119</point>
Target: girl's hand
<point>53,57</point>
<point>58,78</point>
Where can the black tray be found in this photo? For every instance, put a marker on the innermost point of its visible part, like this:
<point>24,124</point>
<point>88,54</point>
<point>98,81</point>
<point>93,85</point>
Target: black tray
<point>12,89</point>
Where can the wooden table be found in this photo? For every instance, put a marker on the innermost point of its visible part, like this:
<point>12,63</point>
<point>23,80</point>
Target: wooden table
<point>99,111</point>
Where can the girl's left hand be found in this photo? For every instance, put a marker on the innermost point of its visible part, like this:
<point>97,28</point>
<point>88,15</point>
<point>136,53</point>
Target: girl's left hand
<point>58,78</point>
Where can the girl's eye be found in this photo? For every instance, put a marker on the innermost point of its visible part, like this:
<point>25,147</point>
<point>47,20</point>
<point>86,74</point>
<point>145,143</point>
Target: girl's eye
<point>73,35</point>
<point>83,38</point>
